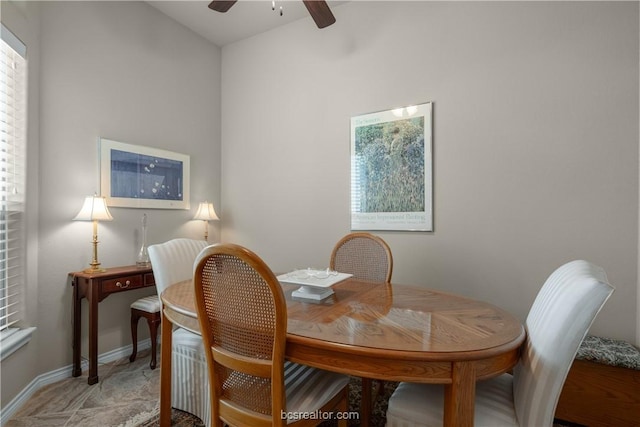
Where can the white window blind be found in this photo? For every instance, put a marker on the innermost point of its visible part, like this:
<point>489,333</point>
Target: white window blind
<point>12,177</point>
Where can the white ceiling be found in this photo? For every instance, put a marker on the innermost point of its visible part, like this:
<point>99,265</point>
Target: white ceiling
<point>245,19</point>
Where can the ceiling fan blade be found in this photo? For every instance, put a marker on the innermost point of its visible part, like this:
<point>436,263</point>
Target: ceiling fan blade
<point>320,12</point>
<point>221,6</point>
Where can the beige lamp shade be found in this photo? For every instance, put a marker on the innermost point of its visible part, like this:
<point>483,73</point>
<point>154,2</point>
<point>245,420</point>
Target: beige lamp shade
<point>206,212</point>
<point>94,209</point>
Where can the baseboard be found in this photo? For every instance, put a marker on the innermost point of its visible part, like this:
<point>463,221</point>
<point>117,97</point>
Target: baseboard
<point>59,374</point>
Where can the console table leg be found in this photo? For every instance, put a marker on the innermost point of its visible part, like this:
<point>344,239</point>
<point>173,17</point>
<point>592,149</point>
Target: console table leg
<point>92,297</point>
<point>77,369</point>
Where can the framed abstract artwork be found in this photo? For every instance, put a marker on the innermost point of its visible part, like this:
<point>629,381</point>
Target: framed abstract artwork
<point>134,176</point>
<point>391,169</point>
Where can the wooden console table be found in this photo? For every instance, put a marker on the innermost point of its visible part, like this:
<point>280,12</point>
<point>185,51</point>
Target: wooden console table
<point>95,287</point>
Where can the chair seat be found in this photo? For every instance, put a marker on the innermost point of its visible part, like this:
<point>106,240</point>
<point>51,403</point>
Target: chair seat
<point>309,389</point>
<point>413,405</point>
<point>150,304</point>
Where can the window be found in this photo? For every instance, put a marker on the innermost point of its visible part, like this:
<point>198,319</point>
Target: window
<point>12,185</point>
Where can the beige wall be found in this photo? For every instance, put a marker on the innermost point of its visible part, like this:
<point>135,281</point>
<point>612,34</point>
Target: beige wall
<point>535,144</point>
<point>125,71</point>
<point>535,141</point>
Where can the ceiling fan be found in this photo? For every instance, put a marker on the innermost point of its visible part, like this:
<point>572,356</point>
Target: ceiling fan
<point>318,9</point>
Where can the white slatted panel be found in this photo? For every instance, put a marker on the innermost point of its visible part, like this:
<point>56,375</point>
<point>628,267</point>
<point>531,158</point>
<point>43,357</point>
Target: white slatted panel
<point>12,176</point>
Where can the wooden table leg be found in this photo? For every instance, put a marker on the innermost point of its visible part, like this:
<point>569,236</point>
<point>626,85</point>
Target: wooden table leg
<point>92,297</point>
<point>366,402</point>
<point>459,396</point>
<point>77,328</point>
<point>165,371</point>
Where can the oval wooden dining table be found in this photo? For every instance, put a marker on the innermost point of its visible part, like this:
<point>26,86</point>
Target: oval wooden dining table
<point>381,331</point>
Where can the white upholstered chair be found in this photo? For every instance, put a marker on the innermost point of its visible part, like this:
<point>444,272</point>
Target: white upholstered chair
<point>172,262</point>
<point>559,318</point>
<point>243,317</point>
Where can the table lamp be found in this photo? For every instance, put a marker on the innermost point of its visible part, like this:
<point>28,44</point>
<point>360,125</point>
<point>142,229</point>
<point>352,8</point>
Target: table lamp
<point>206,213</point>
<point>94,209</point>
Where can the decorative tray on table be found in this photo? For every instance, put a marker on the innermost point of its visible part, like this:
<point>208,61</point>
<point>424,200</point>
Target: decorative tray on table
<point>315,283</point>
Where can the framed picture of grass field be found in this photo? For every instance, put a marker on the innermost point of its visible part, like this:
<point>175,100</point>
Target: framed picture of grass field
<point>391,169</point>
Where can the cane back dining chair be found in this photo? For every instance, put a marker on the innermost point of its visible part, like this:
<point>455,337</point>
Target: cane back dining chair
<point>365,255</point>
<point>172,262</point>
<point>557,322</point>
<point>243,318</point>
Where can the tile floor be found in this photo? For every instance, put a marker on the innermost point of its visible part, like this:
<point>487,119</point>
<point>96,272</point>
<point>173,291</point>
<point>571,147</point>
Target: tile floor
<point>124,391</point>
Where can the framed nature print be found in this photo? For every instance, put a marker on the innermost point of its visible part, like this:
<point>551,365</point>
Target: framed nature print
<point>391,170</point>
<point>134,176</point>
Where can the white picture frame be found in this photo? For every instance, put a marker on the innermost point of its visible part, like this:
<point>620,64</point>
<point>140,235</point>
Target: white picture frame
<point>134,176</point>
<point>391,169</point>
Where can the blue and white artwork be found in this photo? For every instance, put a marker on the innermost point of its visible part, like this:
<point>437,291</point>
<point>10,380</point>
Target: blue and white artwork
<point>140,176</point>
<point>135,176</point>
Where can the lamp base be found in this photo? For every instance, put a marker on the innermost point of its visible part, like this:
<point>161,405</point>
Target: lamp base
<point>94,270</point>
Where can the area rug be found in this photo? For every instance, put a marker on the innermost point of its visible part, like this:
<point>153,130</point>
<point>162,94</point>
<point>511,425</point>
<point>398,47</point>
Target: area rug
<point>379,410</point>
<point>178,419</point>
<point>378,416</point>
